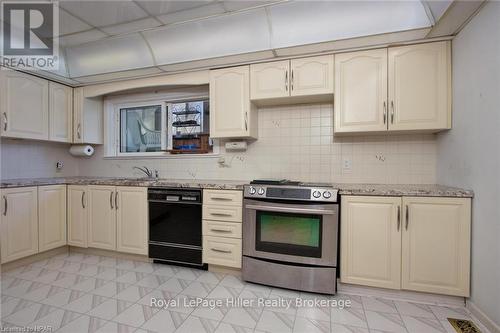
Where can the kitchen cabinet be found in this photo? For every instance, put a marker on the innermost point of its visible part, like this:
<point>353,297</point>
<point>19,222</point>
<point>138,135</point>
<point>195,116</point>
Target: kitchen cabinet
<point>60,112</point>
<point>371,241</point>
<point>51,217</point>
<point>270,80</point>
<point>77,204</point>
<point>420,87</point>
<point>24,105</point>
<point>231,113</point>
<point>131,219</point>
<point>406,88</point>
<point>361,91</point>
<point>222,218</point>
<point>87,118</point>
<point>410,243</point>
<point>436,245</point>
<point>310,78</point>
<point>102,217</point>
<point>19,223</point>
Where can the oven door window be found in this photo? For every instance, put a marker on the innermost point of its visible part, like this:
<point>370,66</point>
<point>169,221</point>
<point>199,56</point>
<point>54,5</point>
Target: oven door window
<point>287,233</point>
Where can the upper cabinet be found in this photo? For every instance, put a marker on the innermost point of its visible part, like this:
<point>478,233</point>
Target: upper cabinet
<point>405,88</point>
<point>87,118</point>
<point>297,80</point>
<point>24,105</point>
<point>361,91</point>
<point>231,113</point>
<point>420,87</point>
<point>60,112</point>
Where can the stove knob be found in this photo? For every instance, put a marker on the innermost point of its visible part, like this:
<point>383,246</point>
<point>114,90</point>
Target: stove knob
<point>327,195</point>
<point>316,194</point>
<point>261,191</point>
<point>252,190</point>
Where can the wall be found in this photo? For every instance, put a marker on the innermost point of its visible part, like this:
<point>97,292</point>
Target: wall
<point>28,159</point>
<point>468,156</point>
<point>296,142</point>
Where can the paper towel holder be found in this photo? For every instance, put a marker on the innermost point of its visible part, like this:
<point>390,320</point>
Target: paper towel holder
<point>236,146</point>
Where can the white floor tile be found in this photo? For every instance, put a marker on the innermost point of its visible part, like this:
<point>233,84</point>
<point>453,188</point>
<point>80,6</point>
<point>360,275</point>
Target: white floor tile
<point>165,321</point>
<point>423,324</point>
<point>133,293</point>
<point>136,315</point>
<point>246,317</point>
<point>230,328</point>
<point>349,316</point>
<point>275,322</point>
<point>341,328</point>
<point>384,321</point>
<point>379,304</point>
<point>109,309</point>
<point>444,312</point>
<point>309,325</point>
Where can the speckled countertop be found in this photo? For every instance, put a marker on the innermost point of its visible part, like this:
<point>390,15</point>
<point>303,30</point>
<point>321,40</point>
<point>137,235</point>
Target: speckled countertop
<point>423,190</point>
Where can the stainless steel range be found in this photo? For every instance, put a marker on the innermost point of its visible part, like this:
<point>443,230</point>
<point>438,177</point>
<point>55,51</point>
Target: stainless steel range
<point>290,235</point>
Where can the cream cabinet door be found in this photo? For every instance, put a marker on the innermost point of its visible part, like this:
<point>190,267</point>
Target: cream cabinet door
<point>132,219</point>
<point>371,241</point>
<point>102,217</point>
<point>77,215</point>
<point>436,245</point>
<point>270,80</point>
<point>231,113</point>
<point>420,87</point>
<point>361,91</point>
<point>19,223</point>
<point>24,105</point>
<point>311,76</point>
<point>87,118</point>
<point>51,217</point>
<point>60,112</point>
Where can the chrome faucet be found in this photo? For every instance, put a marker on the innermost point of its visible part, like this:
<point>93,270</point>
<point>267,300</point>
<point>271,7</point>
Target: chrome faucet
<point>148,172</point>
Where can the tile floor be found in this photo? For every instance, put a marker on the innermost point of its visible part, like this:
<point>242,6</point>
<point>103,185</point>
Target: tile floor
<point>86,293</point>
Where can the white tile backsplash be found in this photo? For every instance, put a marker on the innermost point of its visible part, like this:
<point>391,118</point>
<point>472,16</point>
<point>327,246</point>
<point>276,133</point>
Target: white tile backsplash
<point>296,142</point>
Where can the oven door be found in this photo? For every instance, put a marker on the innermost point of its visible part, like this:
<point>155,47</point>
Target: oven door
<point>291,232</point>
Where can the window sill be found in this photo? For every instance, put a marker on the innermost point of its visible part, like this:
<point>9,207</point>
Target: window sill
<point>161,155</point>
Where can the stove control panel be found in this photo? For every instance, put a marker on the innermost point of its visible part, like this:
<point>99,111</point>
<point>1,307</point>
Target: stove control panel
<point>297,193</point>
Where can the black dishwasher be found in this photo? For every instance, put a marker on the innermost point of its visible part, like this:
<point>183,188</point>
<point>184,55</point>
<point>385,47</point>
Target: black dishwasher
<point>175,226</point>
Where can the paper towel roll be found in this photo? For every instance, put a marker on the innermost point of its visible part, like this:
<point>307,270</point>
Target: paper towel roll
<point>81,150</point>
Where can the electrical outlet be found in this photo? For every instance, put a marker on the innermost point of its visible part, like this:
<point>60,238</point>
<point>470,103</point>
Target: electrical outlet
<point>346,164</point>
<point>59,165</point>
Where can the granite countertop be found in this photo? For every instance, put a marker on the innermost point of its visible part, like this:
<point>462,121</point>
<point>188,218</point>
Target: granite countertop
<point>423,190</point>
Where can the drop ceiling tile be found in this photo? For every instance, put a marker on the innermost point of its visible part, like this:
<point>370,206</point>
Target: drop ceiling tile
<point>81,37</point>
<point>167,7</point>
<point>191,14</point>
<point>103,13</point>
<point>138,25</point>
<point>233,5</point>
<point>68,24</point>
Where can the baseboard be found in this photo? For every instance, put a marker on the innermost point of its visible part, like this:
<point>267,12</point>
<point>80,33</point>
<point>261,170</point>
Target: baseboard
<point>401,295</point>
<point>482,317</point>
<point>109,253</point>
<point>224,270</point>
<point>34,258</point>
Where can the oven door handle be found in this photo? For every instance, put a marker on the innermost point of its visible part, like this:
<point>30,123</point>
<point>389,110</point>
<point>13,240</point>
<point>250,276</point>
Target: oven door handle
<point>292,210</point>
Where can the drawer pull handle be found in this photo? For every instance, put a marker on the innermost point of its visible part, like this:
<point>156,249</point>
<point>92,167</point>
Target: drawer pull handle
<point>222,198</point>
<point>221,214</point>
<point>220,250</point>
<point>220,230</point>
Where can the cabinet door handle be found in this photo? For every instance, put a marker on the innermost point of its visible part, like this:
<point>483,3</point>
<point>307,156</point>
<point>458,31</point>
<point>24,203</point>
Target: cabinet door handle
<point>83,199</point>
<point>220,250</point>
<point>286,81</point>
<point>78,133</point>
<point>5,206</point>
<point>407,217</point>
<point>392,112</point>
<point>111,199</point>
<point>6,121</point>
<point>292,80</point>
<point>385,113</point>
<point>246,121</point>
<point>116,199</point>
<point>399,217</point>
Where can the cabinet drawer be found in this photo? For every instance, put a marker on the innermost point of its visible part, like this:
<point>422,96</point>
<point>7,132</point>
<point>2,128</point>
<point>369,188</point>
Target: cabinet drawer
<point>222,251</point>
<point>223,197</point>
<point>222,213</point>
<point>221,229</point>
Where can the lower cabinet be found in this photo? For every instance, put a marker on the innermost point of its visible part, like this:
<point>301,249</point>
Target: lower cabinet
<point>77,215</point>
<point>51,217</point>
<point>102,217</point>
<point>411,243</point>
<point>132,219</point>
<point>222,251</point>
<point>19,223</point>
